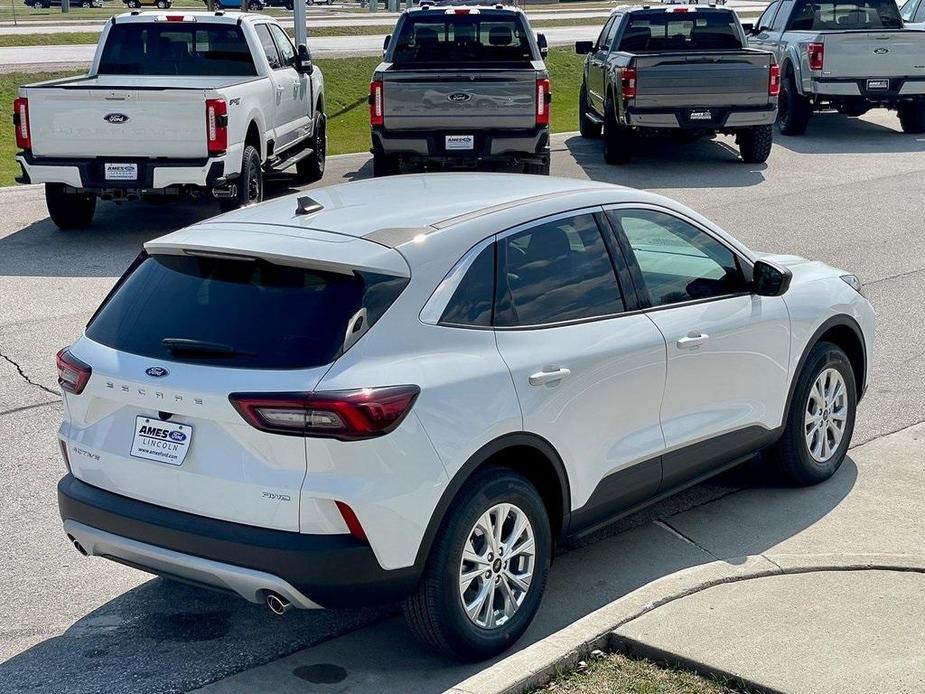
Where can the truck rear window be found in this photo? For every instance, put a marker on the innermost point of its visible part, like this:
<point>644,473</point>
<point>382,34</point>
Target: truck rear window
<point>481,39</point>
<point>680,31</point>
<point>845,14</point>
<point>246,314</point>
<point>176,49</point>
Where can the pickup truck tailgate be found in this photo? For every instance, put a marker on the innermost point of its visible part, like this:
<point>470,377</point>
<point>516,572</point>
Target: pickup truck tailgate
<point>874,53</point>
<point>120,122</point>
<point>413,99</point>
<point>707,78</point>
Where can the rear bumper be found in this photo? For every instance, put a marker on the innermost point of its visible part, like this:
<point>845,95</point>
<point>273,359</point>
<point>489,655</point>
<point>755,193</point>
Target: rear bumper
<point>721,118</point>
<point>309,570</point>
<point>899,87</point>
<point>488,145</point>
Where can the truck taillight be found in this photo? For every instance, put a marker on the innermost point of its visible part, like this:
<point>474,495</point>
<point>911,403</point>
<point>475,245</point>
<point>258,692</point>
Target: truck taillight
<point>628,82</point>
<point>21,123</point>
<point>73,374</point>
<point>543,99</point>
<point>348,415</point>
<point>816,54</point>
<point>216,126</point>
<point>774,80</point>
<point>376,103</point>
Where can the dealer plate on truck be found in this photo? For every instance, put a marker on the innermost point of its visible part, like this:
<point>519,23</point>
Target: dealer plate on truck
<point>878,84</point>
<point>121,172</point>
<point>164,442</point>
<point>460,142</point>
<point>702,114</point>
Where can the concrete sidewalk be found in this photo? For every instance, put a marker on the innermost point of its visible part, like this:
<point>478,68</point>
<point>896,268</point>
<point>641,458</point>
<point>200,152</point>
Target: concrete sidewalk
<point>868,515</point>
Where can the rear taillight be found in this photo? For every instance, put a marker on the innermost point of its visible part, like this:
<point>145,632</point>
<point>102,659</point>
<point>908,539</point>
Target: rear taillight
<point>21,123</point>
<point>543,99</point>
<point>774,80</point>
<point>628,82</point>
<point>815,52</point>
<point>216,126</point>
<point>73,374</point>
<point>347,415</point>
<point>376,106</point>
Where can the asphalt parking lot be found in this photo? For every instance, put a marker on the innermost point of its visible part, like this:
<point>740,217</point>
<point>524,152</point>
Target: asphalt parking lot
<point>847,193</point>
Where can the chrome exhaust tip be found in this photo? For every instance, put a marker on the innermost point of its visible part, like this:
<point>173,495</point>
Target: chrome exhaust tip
<point>278,604</point>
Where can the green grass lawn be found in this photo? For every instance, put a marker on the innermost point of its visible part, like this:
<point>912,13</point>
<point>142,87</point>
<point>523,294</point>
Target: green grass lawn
<point>346,88</point>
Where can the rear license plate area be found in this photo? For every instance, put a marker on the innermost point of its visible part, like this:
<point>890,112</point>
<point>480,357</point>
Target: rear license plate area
<point>700,115</point>
<point>878,85</point>
<point>459,143</point>
<point>115,171</point>
<point>160,441</point>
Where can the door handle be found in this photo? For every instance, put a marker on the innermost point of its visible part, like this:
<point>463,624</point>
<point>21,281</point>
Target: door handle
<point>280,87</point>
<point>693,340</point>
<point>548,375</point>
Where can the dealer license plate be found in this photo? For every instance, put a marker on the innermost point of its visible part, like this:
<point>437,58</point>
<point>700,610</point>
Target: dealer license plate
<point>164,442</point>
<point>878,84</point>
<point>701,115</point>
<point>121,172</point>
<point>460,142</point>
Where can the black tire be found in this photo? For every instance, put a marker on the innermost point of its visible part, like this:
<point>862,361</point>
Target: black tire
<point>385,164</point>
<point>311,168</point>
<point>587,127</point>
<point>912,116</point>
<point>254,6</point>
<point>538,168</point>
<point>435,611</point>
<point>791,454</point>
<point>85,4</point>
<point>134,4</point>
<point>793,110</point>
<point>755,144</point>
<point>249,185</point>
<point>618,139</point>
<point>69,210</point>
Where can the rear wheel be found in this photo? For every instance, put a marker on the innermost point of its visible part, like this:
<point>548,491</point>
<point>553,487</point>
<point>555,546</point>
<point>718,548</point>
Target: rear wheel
<point>311,168</point>
<point>487,569</point>
<point>587,127</point>
<point>820,423</point>
<point>793,110</point>
<point>755,144</point>
<point>249,186</point>
<point>912,116</point>
<point>385,164</point>
<point>618,139</point>
<point>69,210</point>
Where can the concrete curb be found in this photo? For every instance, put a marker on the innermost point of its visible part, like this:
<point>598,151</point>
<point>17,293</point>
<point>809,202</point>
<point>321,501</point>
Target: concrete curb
<point>535,665</point>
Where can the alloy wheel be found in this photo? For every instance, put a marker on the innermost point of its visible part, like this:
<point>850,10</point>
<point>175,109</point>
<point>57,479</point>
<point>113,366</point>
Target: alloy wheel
<point>826,415</point>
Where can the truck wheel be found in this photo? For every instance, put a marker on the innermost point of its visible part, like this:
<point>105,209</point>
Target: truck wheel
<point>134,4</point>
<point>249,183</point>
<point>587,127</point>
<point>755,144</point>
<point>820,421</point>
<point>912,116</point>
<point>618,139</point>
<point>311,168</point>
<point>385,164</point>
<point>538,168</point>
<point>487,569</point>
<point>69,210</point>
<point>162,4</point>
<point>793,110</point>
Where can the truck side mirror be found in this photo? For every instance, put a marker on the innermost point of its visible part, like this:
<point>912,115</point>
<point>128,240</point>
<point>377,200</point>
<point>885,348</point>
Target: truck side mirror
<point>304,63</point>
<point>584,47</point>
<point>385,42</point>
<point>543,45</point>
<point>749,28</point>
<point>769,279</point>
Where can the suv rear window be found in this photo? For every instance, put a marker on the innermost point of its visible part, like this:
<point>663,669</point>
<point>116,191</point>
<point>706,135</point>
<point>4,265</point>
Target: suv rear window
<point>846,14</point>
<point>462,39</point>
<point>680,31</point>
<point>176,49</point>
<point>271,316</point>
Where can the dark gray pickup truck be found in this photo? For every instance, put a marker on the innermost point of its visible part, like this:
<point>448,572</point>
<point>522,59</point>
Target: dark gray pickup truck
<point>678,69</point>
<point>461,86</point>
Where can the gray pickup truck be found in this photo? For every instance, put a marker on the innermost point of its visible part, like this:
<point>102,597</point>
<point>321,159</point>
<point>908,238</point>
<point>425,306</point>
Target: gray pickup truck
<point>847,55</point>
<point>676,69</point>
<point>461,86</point>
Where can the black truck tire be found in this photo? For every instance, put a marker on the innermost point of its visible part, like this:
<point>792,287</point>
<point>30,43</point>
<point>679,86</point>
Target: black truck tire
<point>249,186</point>
<point>793,110</point>
<point>587,127</point>
<point>311,168</point>
<point>755,144</point>
<point>69,210</point>
<point>385,164</point>
<point>912,116</point>
<point>618,139</point>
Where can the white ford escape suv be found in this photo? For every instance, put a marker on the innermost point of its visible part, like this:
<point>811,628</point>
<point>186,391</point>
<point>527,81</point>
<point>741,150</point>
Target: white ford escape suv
<point>413,387</point>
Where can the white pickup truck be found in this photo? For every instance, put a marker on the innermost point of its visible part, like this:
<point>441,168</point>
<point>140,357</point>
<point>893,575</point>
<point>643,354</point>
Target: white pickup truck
<point>198,104</point>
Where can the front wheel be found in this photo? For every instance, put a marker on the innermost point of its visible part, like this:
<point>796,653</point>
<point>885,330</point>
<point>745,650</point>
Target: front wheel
<point>69,210</point>
<point>487,569</point>
<point>311,168</point>
<point>912,116</point>
<point>820,422</point>
<point>249,186</point>
<point>755,144</point>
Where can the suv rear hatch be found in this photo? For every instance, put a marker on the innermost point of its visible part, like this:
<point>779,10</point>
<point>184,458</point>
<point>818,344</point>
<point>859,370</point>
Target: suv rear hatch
<point>183,330</point>
<point>477,70</point>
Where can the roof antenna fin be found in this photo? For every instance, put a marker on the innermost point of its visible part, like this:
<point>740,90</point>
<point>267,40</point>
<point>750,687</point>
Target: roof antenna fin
<point>307,205</point>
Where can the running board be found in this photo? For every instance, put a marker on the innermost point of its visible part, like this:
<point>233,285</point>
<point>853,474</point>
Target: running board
<point>282,164</point>
<point>594,118</point>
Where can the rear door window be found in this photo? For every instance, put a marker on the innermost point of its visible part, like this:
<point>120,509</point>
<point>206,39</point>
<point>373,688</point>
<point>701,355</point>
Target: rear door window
<point>471,39</point>
<point>845,14</point>
<point>247,314</point>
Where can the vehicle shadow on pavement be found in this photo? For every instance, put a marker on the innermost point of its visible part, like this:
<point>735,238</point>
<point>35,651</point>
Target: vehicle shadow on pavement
<point>833,133</point>
<point>665,162</point>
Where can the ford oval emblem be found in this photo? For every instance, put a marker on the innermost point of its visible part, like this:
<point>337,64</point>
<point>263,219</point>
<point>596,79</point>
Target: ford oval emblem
<point>156,371</point>
<point>881,51</point>
<point>458,97</point>
<point>116,118</point>
<point>177,436</point>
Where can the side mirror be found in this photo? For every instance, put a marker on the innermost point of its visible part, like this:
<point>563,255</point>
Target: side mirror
<point>543,45</point>
<point>749,28</point>
<point>385,42</point>
<point>769,279</point>
<point>584,47</point>
<point>303,63</point>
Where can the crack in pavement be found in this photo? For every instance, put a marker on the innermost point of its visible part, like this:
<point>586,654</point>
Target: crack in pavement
<point>665,525</point>
<point>30,407</point>
<point>29,380</point>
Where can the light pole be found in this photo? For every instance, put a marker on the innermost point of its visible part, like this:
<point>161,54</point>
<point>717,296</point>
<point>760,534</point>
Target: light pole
<point>298,21</point>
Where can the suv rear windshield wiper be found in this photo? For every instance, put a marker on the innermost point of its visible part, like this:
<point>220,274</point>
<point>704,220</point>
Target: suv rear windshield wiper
<point>180,345</point>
